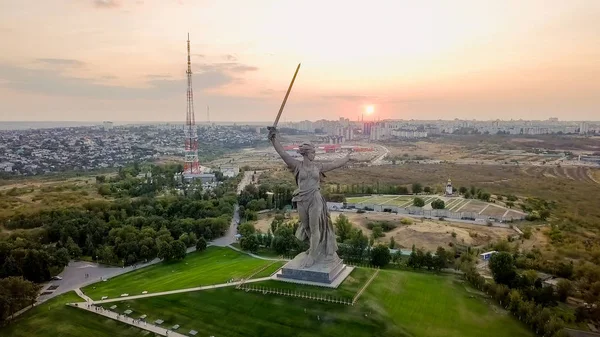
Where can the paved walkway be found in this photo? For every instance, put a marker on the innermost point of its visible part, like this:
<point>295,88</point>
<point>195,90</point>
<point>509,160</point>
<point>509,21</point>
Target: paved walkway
<point>127,320</point>
<point>179,291</point>
<point>82,295</point>
<point>229,237</point>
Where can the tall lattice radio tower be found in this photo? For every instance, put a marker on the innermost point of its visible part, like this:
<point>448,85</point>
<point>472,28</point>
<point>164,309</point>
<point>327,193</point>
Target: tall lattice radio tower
<point>191,165</point>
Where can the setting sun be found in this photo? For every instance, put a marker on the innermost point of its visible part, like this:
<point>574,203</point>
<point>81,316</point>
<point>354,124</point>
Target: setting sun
<point>370,109</point>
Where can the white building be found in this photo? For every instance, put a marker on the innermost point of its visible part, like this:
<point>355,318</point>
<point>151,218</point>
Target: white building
<point>583,128</point>
<point>449,189</point>
<point>229,171</point>
<point>107,125</point>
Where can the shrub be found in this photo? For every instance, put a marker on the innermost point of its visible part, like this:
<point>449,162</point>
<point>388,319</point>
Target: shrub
<point>418,202</point>
<point>438,204</point>
<point>380,256</point>
<point>527,233</point>
<point>377,232</point>
<point>406,221</point>
<point>453,234</point>
<point>384,225</point>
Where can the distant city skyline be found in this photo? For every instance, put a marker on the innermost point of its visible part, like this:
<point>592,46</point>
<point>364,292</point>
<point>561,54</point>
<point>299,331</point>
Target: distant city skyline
<point>125,61</point>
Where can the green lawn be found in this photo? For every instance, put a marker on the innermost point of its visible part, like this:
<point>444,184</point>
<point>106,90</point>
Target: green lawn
<point>358,200</point>
<point>400,201</point>
<point>397,303</point>
<point>270,269</point>
<point>54,319</point>
<point>437,305</point>
<point>215,265</point>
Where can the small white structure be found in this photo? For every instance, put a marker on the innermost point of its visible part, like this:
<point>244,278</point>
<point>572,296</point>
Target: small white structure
<point>449,187</point>
<point>230,171</point>
<point>486,256</point>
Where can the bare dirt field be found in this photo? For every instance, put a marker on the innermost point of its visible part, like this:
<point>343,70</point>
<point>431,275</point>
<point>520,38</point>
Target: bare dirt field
<point>538,239</point>
<point>442,151</point>
<point>428,234</point>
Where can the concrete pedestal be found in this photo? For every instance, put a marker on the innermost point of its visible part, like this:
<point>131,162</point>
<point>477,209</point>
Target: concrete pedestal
<point>323,273</point>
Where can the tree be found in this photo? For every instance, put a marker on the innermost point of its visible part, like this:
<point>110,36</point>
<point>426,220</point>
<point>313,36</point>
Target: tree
<point>201,244</point>
<point>15,294</point>
<point>35,266</point>
<point>564,269</point>
<point>380,256</point>
<point>392,243</point>
<point>417,188</point>
<point>10,267</point>
<point>178,250</point>
<point>357,245</point>
<point>427,189</point>
<point>563,289</point>
<point>284,240</point>
<point>440,260</point>
<point>343,228</point>
<point>73,248</point>
<point>428,260</point>
<point>502,267</point>
<point>249,243</point>
<point>462,190</point>
<point>246,229</point>
<point>418,202</point>
<point>438,204</point>
<point>377,232</point>
<point>164,250</point>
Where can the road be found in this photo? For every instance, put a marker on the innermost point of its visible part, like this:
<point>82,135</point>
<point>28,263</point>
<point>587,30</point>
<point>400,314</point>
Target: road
<point>379,159</point>
<point>229,237</point>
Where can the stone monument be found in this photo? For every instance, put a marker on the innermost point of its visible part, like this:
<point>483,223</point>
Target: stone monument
<point>320,264</point>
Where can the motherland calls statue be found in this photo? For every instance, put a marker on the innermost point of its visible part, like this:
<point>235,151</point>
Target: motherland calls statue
<point>316,226</point>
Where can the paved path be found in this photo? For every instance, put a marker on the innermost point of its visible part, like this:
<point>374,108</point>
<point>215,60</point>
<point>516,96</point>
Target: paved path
<point>229,237</point>
<point>127,320</point>
<point>179,291</point>
<point>379,159</point>
<point>82,295</point>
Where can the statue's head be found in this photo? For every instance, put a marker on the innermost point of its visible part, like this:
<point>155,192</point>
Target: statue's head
<point>307,151</point>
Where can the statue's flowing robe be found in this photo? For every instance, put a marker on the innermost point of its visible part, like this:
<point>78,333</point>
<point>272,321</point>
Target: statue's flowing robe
<point>315,223</point>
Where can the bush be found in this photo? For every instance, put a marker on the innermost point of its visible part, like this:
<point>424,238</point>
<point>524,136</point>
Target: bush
<point>385,225</point>
<point>438,204</point>
<point>377,232</point>
<point>406,221</point>
<point>380,256</point>
<point>454,234</point>
<point>201,244</point>
<point>418,202</point>
<point>527,233</point>
<point>249,243</point>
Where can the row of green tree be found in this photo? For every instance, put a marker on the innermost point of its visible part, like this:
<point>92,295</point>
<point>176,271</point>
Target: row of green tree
<point>523,294</point>
<point>123,231</point>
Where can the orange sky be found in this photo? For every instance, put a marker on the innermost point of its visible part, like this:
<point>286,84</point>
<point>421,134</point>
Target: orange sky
<point>90,60</point>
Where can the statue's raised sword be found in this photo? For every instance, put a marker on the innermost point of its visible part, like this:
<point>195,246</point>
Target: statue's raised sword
<point>284,100</point>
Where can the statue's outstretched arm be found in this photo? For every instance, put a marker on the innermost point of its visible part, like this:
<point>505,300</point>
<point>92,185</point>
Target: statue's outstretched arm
<point>335,164</point>
<point>291,162</point>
